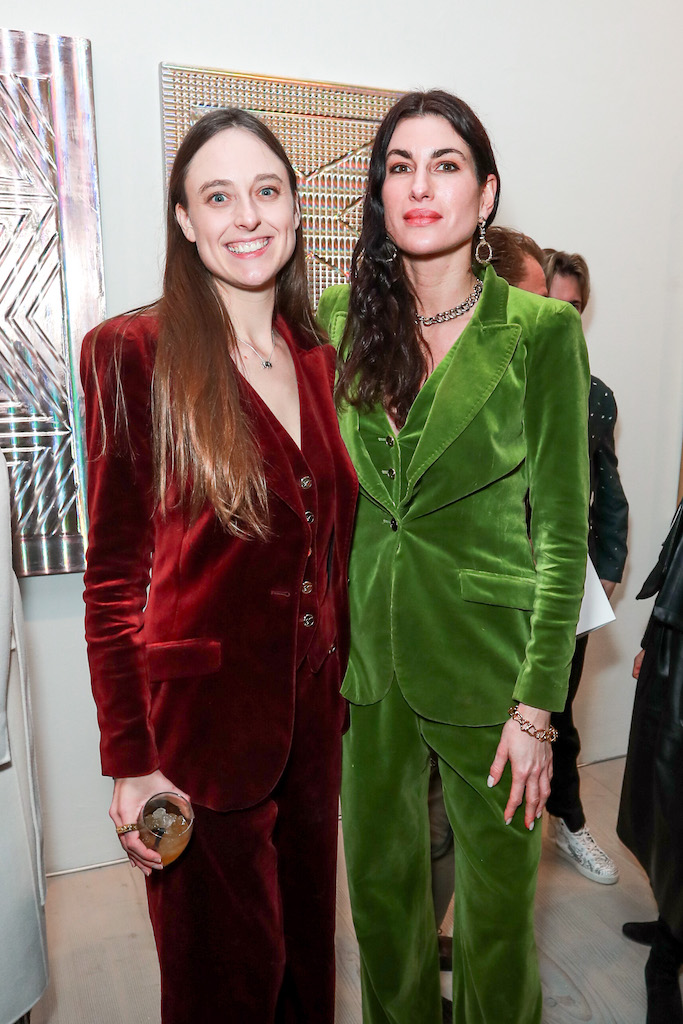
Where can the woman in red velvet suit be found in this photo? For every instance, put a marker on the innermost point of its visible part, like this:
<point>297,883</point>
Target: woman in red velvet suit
<point>217,477</point>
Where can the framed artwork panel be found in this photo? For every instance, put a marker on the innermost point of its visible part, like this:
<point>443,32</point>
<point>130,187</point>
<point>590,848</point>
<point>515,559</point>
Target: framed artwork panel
<point>51,289</point>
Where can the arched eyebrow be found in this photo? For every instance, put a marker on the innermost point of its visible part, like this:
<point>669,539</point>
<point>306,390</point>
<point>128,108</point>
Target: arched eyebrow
<point>227,183</point>
<point>272,176</point>
<point>450,149</point>
<point>216,183</point>
<point>436,154</point>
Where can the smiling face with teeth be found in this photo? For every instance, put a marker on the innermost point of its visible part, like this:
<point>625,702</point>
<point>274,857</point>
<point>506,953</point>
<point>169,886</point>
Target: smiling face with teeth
<point>240,212</point>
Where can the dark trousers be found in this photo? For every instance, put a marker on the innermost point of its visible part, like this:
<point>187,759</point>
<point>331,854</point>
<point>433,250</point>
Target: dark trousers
<point>564,800</point>
<point>244,920</point>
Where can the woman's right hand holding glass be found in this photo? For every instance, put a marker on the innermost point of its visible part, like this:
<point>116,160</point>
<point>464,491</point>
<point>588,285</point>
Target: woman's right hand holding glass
<point>130,796</point>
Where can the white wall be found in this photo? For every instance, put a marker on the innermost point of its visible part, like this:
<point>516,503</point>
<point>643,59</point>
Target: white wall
<point>581,100</point>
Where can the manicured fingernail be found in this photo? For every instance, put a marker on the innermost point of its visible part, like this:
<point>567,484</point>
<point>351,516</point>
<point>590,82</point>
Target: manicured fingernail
<point>539,815</point>
<point>531,826</point>
<point>508,821</point>
<point>490,782</point>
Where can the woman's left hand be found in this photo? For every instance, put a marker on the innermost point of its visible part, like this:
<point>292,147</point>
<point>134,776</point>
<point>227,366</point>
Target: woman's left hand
<point>531,762</point>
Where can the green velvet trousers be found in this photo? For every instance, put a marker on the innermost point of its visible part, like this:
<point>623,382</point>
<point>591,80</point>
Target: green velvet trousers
<point>385,780</point>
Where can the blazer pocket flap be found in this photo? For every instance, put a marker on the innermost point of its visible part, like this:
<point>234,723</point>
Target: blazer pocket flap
<point>497,588</point>
<point>175,659</point>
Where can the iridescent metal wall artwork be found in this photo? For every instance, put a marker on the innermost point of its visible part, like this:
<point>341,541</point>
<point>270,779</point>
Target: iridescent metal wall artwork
<point>327,131</point>
<point>51,288</point>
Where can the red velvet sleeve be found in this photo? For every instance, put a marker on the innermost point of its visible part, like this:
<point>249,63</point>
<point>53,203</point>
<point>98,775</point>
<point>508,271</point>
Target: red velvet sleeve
<point>116,369</point>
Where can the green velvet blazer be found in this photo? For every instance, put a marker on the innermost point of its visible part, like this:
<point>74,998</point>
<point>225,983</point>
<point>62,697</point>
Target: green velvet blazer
<point>450,590</point>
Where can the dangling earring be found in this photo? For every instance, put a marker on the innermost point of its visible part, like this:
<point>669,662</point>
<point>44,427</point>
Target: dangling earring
<point>483,253</point>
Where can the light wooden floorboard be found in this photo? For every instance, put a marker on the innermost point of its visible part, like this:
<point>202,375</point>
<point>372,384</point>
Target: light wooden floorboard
<point>104,971</point>
<point>590,972</point>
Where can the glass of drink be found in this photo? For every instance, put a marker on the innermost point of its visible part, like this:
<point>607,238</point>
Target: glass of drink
<point>165,825</point>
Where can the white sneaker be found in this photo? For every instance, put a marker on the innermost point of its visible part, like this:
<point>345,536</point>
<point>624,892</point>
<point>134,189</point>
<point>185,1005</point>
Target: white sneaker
<point>581,849</point>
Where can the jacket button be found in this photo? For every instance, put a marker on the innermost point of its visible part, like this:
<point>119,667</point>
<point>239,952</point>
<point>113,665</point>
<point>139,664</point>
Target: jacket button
<point>390,440</point>
<point>306,482</point>
<point>309,517</point>
<point>306,587</point>
<point>391,473</point>
<point>393,524</point>
<point>309,620</point>
<point>332,649</point>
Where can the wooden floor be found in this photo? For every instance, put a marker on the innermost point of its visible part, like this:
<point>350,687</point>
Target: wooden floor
<point>104,968</point>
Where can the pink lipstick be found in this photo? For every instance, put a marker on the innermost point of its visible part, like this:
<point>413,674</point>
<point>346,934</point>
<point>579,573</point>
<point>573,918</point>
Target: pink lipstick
<point>419,218</point>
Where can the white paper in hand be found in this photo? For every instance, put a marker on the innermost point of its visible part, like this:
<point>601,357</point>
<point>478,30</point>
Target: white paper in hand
<point>596,611</point>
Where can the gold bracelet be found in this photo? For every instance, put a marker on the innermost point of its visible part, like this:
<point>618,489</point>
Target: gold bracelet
<point>548,735</point>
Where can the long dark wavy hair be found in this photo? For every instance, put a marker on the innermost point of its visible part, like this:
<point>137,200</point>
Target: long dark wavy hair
<point>383,357</point>
<point>202,439</point>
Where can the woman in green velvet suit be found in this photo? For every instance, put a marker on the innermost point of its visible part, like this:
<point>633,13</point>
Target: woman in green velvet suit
<point>462,604</point>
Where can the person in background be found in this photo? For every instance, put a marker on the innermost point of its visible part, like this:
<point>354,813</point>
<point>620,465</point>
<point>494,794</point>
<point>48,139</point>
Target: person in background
<point>650,819</point>
<point>568,279</point>
<point>458,395</point>
<point>518,259</point>
<point>221,502</point>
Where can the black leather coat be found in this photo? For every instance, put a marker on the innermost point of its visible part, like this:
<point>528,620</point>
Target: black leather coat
<point>651,810</point>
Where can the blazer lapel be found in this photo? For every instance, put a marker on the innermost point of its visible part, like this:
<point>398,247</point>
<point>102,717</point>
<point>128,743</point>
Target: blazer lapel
<point>483,353</point>
<point>276,461</point>
<point>272,437</point>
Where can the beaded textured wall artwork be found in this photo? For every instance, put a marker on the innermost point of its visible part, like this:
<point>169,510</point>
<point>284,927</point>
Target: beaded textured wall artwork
<point>327,131</point>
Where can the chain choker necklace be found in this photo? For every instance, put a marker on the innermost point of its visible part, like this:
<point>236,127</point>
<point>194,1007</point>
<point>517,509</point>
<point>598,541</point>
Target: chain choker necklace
<point>265,363</point>
<point>450,314</point>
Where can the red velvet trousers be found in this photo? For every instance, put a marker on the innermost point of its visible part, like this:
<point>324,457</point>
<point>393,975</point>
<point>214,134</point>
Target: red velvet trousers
<point>244,920</point>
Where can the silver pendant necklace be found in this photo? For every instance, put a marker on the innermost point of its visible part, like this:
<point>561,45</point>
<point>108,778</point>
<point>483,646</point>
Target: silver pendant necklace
<point>451,314</point>
<point>267,363</point>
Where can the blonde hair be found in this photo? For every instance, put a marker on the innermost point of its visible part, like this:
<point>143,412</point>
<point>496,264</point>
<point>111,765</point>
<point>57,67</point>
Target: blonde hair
<point>568,264</point>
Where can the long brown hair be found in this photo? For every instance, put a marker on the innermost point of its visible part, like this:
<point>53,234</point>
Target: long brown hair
<point>202,440</point>
<point>384,355</point>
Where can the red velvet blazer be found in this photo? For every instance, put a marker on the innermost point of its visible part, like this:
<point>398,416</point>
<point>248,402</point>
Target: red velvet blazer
<point>195,636</point>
